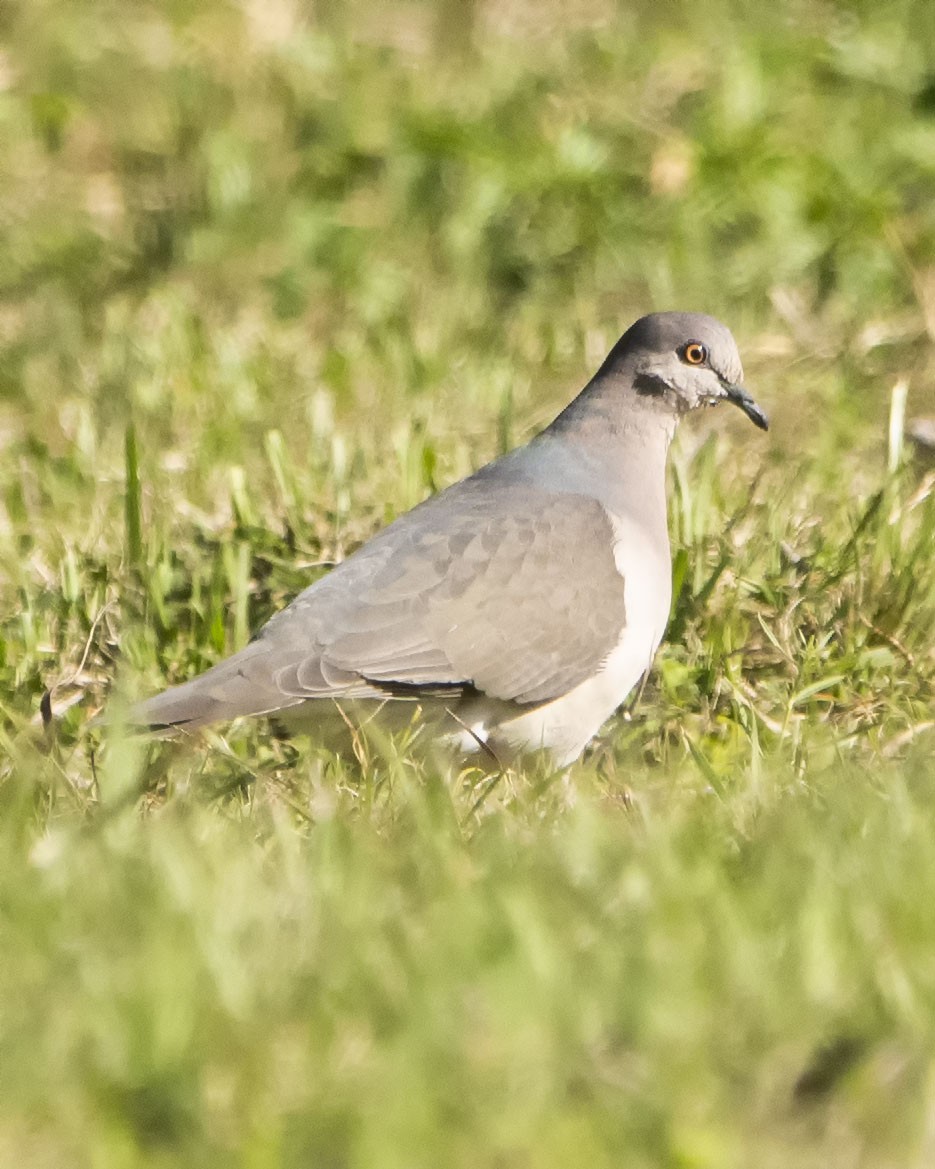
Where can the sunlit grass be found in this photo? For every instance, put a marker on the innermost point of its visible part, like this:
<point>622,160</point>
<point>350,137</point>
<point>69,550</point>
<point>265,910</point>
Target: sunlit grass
<point>267,281</point>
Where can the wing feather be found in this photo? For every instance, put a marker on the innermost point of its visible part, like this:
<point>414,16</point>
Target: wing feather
<point>510,589</point>
<point>517,595</point>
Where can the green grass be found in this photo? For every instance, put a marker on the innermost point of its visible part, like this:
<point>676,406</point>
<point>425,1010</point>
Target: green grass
<point>266,281</point>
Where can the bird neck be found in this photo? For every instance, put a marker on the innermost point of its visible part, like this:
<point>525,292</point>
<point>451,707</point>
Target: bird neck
<point>623,436</point>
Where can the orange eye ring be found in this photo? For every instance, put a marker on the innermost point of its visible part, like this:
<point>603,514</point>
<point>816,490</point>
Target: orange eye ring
<point>695,353</point>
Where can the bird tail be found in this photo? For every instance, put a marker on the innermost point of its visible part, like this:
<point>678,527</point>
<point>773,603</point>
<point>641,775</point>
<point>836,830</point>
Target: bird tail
<point>240,685</point>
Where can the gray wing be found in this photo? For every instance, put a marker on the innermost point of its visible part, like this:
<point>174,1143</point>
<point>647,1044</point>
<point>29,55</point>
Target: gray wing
<point>511,590</point>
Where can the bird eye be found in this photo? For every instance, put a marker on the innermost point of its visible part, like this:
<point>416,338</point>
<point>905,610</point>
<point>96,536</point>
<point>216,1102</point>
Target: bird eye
<point>695,353</point>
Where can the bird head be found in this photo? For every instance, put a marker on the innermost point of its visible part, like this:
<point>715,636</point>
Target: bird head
<point>686,360</point>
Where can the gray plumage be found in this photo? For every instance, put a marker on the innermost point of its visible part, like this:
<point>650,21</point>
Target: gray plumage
<point>525,601</point>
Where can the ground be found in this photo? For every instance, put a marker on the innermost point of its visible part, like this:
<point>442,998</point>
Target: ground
<point>269,276</point>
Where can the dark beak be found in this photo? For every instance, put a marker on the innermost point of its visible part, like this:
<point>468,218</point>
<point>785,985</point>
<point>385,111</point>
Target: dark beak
<point>741,397</point>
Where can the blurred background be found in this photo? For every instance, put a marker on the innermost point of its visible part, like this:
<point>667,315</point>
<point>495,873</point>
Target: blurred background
<point>271,271</point>
<point>231,214</point>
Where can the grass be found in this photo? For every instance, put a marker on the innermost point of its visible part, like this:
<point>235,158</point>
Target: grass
<point>268,280</point>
